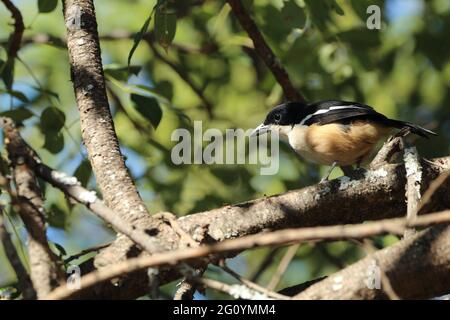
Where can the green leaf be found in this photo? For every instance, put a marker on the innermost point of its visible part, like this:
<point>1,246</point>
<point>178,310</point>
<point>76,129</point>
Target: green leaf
<point>57,217</point>
<point>121,73</point>
<point>148,107</point>
<point>293,15</point>
<point>62,251</point>
<point>46,6</point>
<point>46,92</point>
<point>248,4</point>
<point>54,142</point>
<point>18,115</point>
<point>337,8</point>
<point>4,166</point>
<point>165,89</point>
<point>7,72</point>
<point>84,172</point>
<point>52,120</point>
<point>165,25</point>
<point>359,38</point>
<point>320,13</point>
<point>138,37</point>
<point>16,94</point>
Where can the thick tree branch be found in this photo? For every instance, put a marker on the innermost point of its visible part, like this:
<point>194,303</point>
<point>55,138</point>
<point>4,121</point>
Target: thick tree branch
<point>99,136</point>
<point>418,267</point>
<point>396,226</point>
<point>97,126</point>
<point>264,51</point>
<point>368,195</point>
<point>46,271</point>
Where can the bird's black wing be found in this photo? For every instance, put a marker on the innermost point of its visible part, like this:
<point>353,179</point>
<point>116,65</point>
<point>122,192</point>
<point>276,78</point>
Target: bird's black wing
<point>331,111</point>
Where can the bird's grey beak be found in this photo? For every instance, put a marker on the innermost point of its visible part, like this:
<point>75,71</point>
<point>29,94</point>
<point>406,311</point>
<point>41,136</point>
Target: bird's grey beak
<point>261,129</point>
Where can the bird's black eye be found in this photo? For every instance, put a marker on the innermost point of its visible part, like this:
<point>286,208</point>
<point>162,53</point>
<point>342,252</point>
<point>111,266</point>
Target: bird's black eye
<point>276,117</point>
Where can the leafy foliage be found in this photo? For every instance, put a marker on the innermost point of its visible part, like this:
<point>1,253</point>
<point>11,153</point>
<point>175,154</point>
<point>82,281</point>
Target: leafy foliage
<point>148,107</point>
<point>46,6</point>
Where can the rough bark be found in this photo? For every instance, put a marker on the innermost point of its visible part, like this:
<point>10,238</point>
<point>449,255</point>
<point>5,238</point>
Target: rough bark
<point>371,195</point>
<point>46,271</point>
<point>97,126</point>
<point>214,253</point>
<point>98,133</point>
<point>375,195</point>
<point>264,51</point>
<point>417,267</point>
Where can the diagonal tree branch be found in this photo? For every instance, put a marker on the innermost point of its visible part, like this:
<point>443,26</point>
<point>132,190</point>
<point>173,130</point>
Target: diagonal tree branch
<point>376,195</point>
<point>418,267</point>
<point>210,252</point>
<point>97,126</point>
<point>73,189</point>
<point>46,271</point>
<point>216,220</point>
<point>98,132</point>
<point>15,40</point>
<point>181,73</point>
<point>264,51</point>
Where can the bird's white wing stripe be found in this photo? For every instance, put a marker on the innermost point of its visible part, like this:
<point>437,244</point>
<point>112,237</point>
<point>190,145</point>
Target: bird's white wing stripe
<point>322,111</point>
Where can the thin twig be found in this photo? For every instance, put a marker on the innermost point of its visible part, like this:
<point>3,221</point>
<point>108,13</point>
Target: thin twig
<point>85,252</point>
<point>46,270</point>
<point>264,51</point>
<point>433,187</point>
<point>72,188</point>
<point>254,286</point>
<point>417,267</point>
<point>234,290</point>
<point>268,259</point>
<point>182,74</point>
<point>185,237</point>
<point>284,264</point>
<point>145,131</point>
<point>15,40</point>
<point>396,226</point>
<point>187,287</point>
<point>24,281</point>
<point>386,285</point>
<point>387,152</point>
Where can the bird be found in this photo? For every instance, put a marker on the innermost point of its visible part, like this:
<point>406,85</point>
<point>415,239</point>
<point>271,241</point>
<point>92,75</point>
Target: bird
<point>333,132</point>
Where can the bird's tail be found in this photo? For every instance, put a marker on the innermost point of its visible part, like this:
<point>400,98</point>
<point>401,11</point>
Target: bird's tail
<point>412,128</point>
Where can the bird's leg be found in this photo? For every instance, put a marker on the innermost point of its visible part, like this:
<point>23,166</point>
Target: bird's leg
<point>347,170</point>
<point>330,169</point>
<point>359,162</point>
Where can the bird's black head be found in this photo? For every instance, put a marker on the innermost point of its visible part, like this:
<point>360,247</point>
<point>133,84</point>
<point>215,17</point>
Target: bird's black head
<point>286,114</point>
